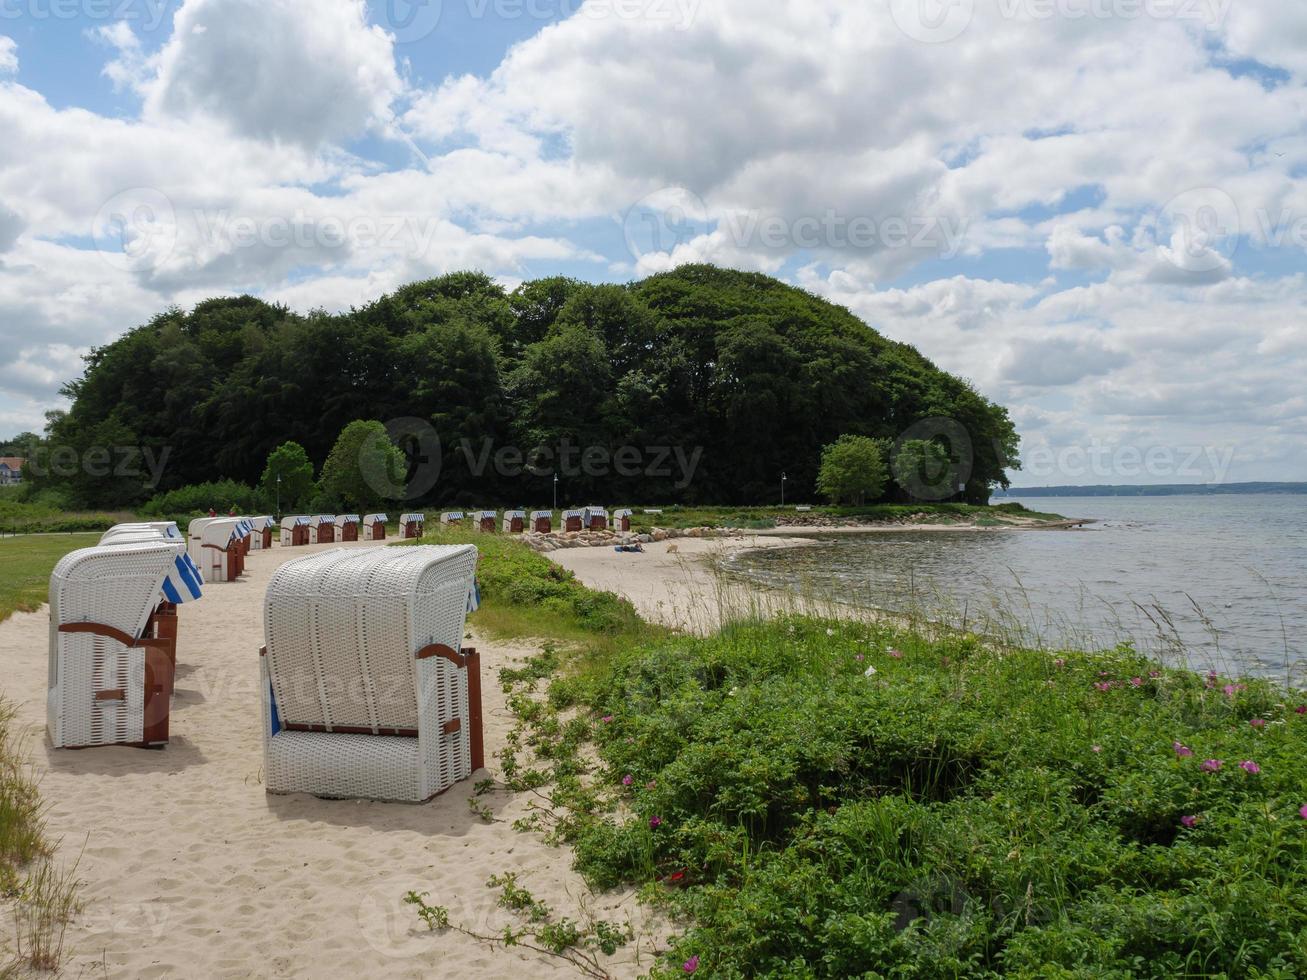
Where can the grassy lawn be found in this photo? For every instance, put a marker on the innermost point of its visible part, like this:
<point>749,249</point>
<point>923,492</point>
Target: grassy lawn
<point>25,566</point>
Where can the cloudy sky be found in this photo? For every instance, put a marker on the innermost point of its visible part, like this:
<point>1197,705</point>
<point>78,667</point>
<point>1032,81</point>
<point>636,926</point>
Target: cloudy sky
<point>1094,209</point>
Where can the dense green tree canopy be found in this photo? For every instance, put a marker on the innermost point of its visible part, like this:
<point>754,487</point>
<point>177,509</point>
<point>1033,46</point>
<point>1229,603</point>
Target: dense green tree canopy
<point>699,386</point>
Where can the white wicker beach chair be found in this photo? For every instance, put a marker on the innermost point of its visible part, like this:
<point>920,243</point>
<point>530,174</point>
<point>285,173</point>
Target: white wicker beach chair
<point>261,536</point>
<point>542,521</point>
<point>295,531</point>
<point>514,521</point>
<point>322,529</point>
<point>452,517</point>
<point>181,585</point>
<point>347,527</point>
<point>367,692</point>
<point>622,519</point>
<point>484,519</point>
<point>574,520</point>
<point>109,678</point>
<point>221,549</point>
<point>374,527</point>
<point>166,528</point>
<point>595,519</point>
<point>195,538</point>
<point>413,525</point>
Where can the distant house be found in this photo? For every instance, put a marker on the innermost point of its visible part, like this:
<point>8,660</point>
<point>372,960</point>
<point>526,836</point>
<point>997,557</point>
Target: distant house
<point>11,470</point>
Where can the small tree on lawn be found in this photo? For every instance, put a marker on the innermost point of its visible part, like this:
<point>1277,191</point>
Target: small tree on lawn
<point>362,464</point>
<point>852,470</point>
<point>290,462</point>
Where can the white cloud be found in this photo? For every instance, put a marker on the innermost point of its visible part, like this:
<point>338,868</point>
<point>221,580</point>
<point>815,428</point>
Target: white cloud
<point>8,55</point>
<point>301,71</point>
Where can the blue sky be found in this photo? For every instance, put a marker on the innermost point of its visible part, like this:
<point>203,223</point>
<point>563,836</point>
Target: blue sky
<point>1100,218</point>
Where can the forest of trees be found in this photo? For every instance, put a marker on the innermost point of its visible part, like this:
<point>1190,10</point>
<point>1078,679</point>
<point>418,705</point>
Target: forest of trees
<point>700,385</point>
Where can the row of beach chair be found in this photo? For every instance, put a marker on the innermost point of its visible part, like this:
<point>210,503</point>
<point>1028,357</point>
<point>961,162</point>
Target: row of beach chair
<point>367,691</point>
<point>301,529</point>
<point>541,521</point>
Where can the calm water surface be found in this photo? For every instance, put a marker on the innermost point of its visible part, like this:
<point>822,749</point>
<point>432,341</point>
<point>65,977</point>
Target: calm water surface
<point>1224,578</point>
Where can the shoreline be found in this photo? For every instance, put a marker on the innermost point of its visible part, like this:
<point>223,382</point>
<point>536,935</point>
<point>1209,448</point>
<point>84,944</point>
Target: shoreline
<point>672,582</point>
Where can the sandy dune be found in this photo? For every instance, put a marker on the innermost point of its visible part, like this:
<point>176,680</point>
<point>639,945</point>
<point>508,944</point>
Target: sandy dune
<point>192,870</point>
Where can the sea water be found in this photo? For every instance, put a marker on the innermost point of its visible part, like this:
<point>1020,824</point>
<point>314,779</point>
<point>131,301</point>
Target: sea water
<point>1206,581</point>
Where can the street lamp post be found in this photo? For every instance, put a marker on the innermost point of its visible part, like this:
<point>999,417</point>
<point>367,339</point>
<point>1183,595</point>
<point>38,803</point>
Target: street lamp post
<point>783,479</point>
<point>278,496</point>
<point>555,491</point>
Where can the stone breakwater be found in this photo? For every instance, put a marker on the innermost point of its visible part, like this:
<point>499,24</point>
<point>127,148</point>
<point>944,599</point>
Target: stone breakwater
<point>909,520</point>
<point>558,540</point>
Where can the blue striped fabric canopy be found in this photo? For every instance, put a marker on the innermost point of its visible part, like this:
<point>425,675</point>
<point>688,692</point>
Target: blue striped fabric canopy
<point>538,514</point>
<point>511,514</point>
<point>183,581</point>
<point>416,518</point>
<point>375,519</point>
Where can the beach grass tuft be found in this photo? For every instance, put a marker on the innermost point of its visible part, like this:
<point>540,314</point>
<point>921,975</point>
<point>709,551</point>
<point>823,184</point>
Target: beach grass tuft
<point>43,895</point>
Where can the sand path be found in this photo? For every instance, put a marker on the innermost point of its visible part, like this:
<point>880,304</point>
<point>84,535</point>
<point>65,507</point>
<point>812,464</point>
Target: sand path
<point>192,870</point>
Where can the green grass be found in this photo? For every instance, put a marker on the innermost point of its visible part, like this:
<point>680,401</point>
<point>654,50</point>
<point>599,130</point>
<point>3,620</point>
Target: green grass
<point>963,809</point>
<point>524,594</point>
<point>25,566</point>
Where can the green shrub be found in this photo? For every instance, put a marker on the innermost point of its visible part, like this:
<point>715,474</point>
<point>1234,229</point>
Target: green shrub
<point>835,799</point>
<point>220,495</point>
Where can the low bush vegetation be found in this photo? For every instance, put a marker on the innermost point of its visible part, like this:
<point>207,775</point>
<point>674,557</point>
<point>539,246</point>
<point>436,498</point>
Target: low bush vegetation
<point>827,799</point>
<point>25,512</point>
<point>221,495</point>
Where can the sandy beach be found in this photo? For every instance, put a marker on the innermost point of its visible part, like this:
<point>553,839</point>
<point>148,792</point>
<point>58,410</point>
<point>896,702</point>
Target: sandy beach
<point>192,870</point>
